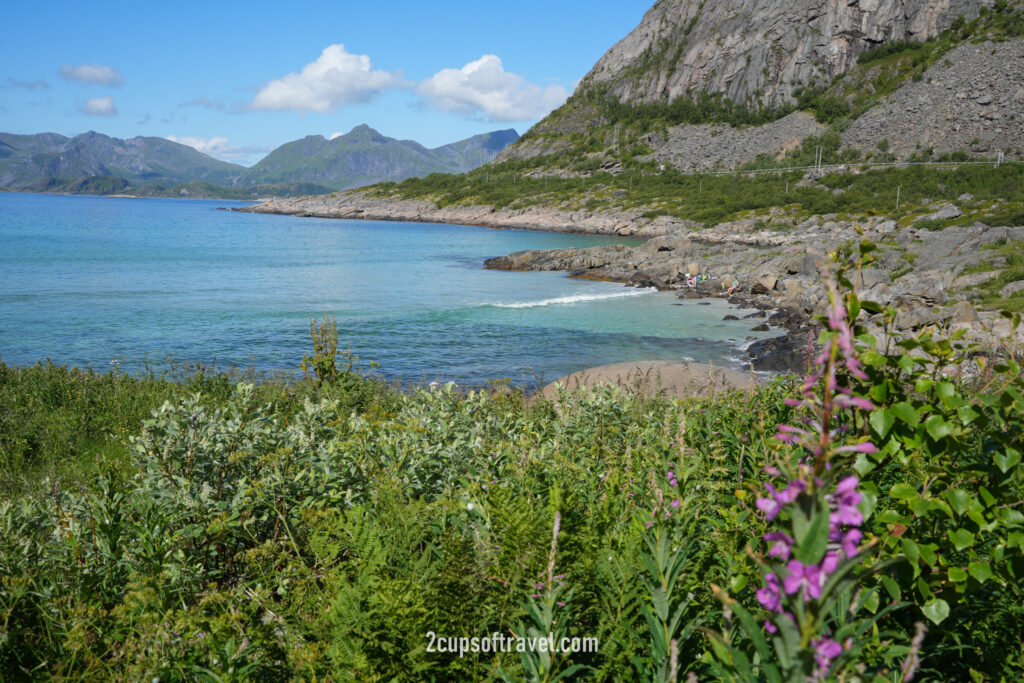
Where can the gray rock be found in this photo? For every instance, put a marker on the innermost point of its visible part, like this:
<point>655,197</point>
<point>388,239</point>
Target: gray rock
<point>974,279</point>
<point>946,211</point>
<point>764,285</point>
<point>963,312</point>
<point>1011,289</point>
<point>756,50</point>
<point>916,318</point>
<point>887,227</point>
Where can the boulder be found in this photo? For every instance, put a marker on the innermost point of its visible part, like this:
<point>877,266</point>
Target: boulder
<point>887,227</point>
<point>763,285</point>
<point>975,279</point>
<point>963,312</point>
<point>869,277</point>
<point>1011,289</point>
<point>788,353</point>
<point>946,211</point>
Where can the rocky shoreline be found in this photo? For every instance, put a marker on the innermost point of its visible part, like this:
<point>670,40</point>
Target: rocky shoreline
<point>929,277</point>
<point>361,206</point>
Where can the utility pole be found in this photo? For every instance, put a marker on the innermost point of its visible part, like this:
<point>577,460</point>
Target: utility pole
<point>898,188</point>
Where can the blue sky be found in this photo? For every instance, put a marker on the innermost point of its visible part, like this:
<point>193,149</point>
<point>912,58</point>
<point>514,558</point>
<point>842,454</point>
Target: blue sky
<point>235,79</point>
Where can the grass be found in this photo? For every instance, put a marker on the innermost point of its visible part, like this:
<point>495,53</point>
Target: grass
<point>709,199</point>
<point>71,424</point>
<point>1012,271</point>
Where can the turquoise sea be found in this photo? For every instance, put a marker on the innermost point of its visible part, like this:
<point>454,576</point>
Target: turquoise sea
<point>98,281</point>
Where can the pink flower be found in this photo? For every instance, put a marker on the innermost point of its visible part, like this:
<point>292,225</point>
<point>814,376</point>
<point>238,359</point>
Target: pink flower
<point>770,596</point>
<point>850,541</point>
<point>806,578</point>
<point>782,545</point>
<point>825,650</point>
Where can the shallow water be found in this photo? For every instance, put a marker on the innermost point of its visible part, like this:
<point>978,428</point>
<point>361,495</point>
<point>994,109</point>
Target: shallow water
<point>93,280</point>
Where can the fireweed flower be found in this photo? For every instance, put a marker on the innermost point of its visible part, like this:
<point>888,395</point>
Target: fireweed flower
<point>819,437</point>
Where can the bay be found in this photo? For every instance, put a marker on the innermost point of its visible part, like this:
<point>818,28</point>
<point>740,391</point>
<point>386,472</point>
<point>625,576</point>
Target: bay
<point>101,281</point>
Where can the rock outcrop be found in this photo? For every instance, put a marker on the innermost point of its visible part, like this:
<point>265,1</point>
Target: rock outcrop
<point>759,51</point>
<point>920,273</point>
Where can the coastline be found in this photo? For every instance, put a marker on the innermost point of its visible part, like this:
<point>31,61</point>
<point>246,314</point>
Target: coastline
<point>928,277</point>
<point>360,206</point>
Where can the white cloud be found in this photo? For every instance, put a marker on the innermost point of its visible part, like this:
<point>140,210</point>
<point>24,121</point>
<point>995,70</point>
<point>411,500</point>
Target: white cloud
<point>92,73</point>
<point>335,79</point>
<point>219,148</point>
<point>484,87</point>
<point>335,134</point>
<point>99,106</point>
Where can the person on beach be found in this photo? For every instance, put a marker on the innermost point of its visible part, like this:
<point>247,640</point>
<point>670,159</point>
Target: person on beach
<point>735,284</point>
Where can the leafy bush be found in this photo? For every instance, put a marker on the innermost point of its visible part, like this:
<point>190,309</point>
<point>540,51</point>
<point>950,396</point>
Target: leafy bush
<point>293,532</point>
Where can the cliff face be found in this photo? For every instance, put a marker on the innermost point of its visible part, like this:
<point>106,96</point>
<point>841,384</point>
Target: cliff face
<point>759,51</point>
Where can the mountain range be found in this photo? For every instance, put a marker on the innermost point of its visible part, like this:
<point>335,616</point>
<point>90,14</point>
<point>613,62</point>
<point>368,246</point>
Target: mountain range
<point>96,163</point>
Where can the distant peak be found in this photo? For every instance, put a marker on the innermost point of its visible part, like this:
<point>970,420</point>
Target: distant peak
<point>364,131</point>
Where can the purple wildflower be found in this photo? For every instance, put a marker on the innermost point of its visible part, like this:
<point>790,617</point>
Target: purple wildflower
<point>770,596</point>
<point>825,650</point>
<point>804,578</point>
<point>782,545</point>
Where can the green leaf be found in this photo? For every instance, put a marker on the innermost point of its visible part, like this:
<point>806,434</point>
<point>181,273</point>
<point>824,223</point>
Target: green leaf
<point>903,491</point>
<point>980,571</point>
<point>936,610</point>
<point>873,359</point>
<point>910,550</point>
<point>738,583</point>
<point>937,427</point>
<point>958,499</point>
<point>892,588</point>
<point>882,420</point>
<point>906,412</point>
<point>1006,461</point>
<point>812,547</point>
<point>961,538</point>
<point>967,414</point>
<point>957,575</point>
<point>871,600</point>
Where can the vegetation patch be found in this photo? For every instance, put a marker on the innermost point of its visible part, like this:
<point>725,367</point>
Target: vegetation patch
<point>333,529</point>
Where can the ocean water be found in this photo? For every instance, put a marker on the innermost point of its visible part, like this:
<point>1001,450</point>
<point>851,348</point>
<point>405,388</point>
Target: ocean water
<point>95,281</point>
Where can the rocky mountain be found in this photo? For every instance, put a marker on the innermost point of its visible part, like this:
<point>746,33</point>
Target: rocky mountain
<point>702,86</point>
<point>759,51</point>
<point>40,161</point>
<point>363,156</point>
